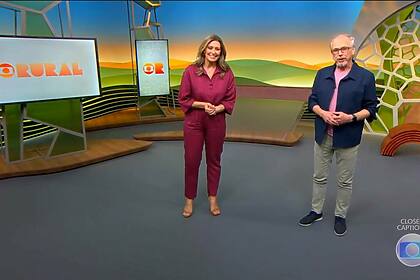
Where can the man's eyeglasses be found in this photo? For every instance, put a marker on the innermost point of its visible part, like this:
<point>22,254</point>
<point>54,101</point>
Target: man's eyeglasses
<point>342,49</point>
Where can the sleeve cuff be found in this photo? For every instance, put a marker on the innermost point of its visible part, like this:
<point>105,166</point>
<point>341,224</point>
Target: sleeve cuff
<point>228,109</point>
<point>187,106</point>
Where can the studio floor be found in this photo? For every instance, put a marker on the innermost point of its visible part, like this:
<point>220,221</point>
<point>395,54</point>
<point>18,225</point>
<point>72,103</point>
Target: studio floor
<point>121,219</point>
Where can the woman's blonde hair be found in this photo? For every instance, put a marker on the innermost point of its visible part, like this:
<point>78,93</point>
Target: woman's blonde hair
<point>199,62</point>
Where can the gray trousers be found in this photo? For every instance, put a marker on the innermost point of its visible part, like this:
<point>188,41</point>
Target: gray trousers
<point>346,163</point>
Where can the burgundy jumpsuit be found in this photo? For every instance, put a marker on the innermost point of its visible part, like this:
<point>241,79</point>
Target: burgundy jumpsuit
<point>200,127</point>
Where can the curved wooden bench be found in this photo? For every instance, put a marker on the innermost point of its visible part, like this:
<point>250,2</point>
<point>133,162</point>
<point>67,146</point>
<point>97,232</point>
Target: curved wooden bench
<point>97,150</point>
<point>282,139</point>
<point>398,136</point>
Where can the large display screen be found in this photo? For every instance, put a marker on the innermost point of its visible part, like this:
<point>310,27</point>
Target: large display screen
<point>152,67</point>
<point>38,69</point>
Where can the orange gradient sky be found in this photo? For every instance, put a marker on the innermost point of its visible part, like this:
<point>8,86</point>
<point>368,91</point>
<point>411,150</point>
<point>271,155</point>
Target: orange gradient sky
<point>114,52</point>
<point>306,51</point>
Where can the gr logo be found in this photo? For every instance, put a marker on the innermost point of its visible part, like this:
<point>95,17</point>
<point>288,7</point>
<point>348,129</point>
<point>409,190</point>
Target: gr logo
<point>153,68</point>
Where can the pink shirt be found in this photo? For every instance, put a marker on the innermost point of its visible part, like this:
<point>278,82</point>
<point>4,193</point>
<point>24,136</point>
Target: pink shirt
<point>217,90</point>
<point>339,75</point>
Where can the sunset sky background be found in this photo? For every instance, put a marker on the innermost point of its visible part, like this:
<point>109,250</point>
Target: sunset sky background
<point>264,30</point>
<point>294,36</point>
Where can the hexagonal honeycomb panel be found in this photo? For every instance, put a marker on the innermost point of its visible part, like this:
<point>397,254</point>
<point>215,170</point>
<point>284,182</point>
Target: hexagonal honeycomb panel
<point>391,51</point>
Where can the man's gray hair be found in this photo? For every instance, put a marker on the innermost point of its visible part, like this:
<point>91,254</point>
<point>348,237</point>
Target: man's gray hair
<point>351,37</point>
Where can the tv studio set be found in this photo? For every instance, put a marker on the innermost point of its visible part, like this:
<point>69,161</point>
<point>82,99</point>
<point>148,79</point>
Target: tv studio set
<point>209,140</point>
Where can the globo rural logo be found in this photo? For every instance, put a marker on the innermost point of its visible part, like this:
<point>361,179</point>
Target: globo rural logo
<point>20,70</point>
<point>153,68</point>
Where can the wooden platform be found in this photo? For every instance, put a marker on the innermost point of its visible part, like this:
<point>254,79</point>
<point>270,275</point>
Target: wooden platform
<point>398,136</point>
<point>98,150</point>
<point>130,117</point>
<point>283,139</point>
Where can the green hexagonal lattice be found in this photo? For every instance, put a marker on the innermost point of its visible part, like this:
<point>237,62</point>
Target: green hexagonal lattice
<point>392,52</point>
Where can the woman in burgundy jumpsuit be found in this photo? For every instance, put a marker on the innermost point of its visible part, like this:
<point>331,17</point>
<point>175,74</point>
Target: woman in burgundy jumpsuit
<point>207,92</point>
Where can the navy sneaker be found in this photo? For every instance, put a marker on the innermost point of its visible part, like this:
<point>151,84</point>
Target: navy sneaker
<point>340,227</point>
<point>310,218</point>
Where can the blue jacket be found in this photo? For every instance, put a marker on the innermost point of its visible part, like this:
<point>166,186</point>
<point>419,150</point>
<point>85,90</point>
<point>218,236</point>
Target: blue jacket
<point>356,91</point>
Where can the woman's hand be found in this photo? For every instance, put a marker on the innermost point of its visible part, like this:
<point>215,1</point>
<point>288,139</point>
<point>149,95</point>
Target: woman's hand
<point>209,108</point>
<point>218,109</point>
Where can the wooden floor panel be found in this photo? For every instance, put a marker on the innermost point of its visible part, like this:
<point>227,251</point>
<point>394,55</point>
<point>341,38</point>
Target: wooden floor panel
<point>98,150</point>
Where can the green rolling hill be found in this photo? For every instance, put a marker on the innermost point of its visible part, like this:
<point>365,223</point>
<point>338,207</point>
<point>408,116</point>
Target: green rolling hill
<point>247,72</point>
<point>273,73</point>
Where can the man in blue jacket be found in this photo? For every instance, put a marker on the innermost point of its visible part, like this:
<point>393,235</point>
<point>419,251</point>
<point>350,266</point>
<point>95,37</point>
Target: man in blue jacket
<point>343,96</point>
